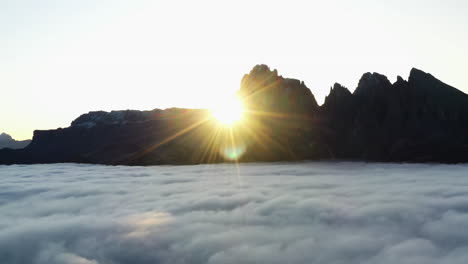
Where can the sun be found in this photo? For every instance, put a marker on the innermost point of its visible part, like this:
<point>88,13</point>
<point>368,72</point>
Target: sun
<point>228,111</point>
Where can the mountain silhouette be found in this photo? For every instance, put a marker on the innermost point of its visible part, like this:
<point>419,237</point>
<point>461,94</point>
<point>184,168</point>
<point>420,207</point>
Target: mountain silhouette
<point>6,141</point>
<point>417,120</point>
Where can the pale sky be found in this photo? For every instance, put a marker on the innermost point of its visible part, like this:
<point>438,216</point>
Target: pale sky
<point>60,59</point>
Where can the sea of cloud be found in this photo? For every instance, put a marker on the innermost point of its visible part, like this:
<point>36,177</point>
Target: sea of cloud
<point>252,213</point>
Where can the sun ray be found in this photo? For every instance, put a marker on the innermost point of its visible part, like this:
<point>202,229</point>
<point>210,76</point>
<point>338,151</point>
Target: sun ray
<point>210,144</point>
<point>168,139</point>
<point>229,111</point>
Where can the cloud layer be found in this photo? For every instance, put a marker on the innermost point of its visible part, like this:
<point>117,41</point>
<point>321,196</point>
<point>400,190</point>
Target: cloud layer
<point>255,213</point>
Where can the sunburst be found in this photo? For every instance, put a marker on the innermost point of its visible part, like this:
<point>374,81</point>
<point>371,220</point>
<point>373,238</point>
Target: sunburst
<point>229,111</point>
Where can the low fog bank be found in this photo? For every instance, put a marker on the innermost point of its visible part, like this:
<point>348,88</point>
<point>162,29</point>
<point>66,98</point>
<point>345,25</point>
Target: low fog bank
<point>256,213</point>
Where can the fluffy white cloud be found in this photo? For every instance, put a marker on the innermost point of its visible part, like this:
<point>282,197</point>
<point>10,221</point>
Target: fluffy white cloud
<point>256,213</point>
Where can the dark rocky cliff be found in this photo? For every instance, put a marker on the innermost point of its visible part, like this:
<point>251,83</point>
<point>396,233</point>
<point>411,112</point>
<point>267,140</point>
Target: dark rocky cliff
<point>419,120</point>
<point>263,89</point>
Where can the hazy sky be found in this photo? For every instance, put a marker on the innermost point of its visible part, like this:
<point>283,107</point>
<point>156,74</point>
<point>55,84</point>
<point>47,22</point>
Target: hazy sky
<point>59,59</point>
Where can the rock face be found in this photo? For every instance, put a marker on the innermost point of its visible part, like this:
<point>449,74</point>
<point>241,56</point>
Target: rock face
<point>262,89</point>
<point>419,120</point>
<point>6,141</point>
<point>100,137</point>
<point>282,117</point>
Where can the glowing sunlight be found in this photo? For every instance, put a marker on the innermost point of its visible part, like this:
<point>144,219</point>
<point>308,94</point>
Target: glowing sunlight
<point>228,111</point>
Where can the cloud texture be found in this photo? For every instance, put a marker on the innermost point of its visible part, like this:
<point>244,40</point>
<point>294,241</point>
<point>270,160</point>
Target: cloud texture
<point>257,213</point>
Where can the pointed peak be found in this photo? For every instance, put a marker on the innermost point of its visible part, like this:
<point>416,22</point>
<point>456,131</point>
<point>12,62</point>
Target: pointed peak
<point>259,76</point>
<point>416,74</point>
<point>400,81</point>
<point>338,95</point>
<point>373,77</point>
<point>371,81</point>
<point>428,82</point>
<point>264,83</point>
<point>260,68</point>
<point>338,86</point>
<point>338,90</point>
<point>416,71</point>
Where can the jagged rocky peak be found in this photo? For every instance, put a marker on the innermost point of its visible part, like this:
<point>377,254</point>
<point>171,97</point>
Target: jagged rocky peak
<point>339,90</point>
<point>370,82</point>
<point>401,85</point>
<point>400,80</point>
<point>419,74</point>
<point>338,95</point>
<point>373,79</point>
<point>262,69</point>
<point>294,83</point>
<point>425,81</point>
<point>260,76</point>
<point>264,89</point>
<point>420,78</point>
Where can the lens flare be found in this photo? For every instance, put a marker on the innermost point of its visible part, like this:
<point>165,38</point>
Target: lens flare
<point>233,152</point>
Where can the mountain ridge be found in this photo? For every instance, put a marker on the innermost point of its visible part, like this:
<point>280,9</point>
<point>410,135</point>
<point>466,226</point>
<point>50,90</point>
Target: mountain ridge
<point>420,119</point>
<point>6,141</point>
